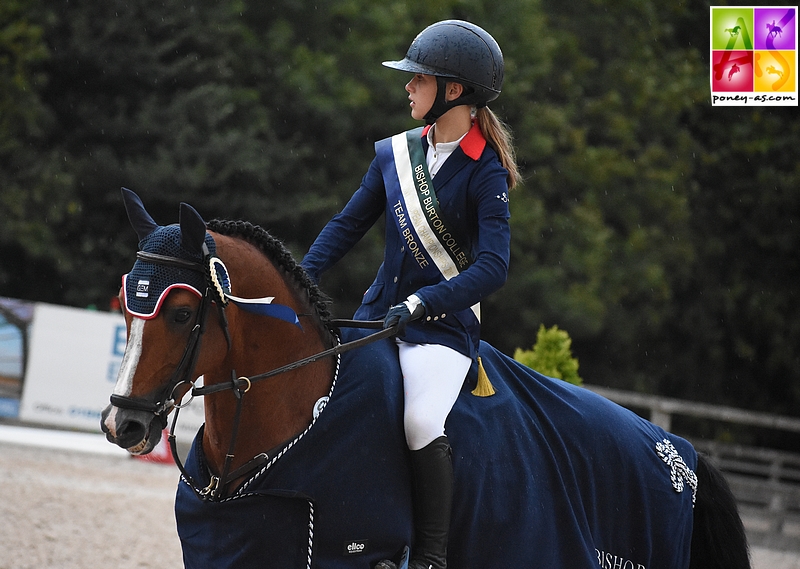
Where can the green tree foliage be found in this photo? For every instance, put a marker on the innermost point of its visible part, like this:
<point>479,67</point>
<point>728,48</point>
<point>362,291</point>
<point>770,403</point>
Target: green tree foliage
<point>551,355</point>
<point>600,229</point>
<point>739,320</point>
<point>158,98</point>
<point>660,231</point>
<point>35,185</point>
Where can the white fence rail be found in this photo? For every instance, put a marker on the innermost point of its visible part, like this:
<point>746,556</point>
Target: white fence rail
<point>766,482</point>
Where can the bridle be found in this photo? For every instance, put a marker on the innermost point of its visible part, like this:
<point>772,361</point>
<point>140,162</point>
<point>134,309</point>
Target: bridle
<point>164,401</point>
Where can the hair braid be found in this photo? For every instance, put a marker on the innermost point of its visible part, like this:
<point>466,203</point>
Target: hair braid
<point>277,252</point>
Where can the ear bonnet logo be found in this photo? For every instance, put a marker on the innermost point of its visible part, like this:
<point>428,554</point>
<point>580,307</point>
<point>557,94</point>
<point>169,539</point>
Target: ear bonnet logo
<point>143,288</point>
<point>754,56</point>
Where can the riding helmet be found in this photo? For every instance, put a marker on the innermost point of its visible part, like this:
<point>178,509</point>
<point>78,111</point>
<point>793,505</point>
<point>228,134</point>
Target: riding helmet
<point>455,50</point>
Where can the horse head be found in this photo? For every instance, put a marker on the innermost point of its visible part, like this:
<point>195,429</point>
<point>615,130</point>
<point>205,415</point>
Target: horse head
<point>162,297</point>
<point>174,301</point>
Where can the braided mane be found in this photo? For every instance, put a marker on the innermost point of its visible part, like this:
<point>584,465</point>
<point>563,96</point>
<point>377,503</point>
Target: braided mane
<point>276,252</point>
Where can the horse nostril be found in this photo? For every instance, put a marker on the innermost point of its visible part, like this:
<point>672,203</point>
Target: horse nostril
<point>131,433</point>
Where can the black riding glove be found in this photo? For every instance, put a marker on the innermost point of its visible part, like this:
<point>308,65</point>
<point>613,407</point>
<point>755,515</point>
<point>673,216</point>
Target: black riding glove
<point>403,313</point>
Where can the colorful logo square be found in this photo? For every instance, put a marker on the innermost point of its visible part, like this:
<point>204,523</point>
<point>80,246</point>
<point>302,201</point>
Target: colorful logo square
<point>773,71</point>
<point>733,71</point>
<point>775,28</point>
<point>731,28</point>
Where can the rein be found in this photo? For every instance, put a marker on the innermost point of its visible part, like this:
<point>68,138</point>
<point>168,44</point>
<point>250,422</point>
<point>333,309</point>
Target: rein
<point>239,385</point>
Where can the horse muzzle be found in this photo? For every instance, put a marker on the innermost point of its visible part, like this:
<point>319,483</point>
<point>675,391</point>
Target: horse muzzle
<point>136,431</point>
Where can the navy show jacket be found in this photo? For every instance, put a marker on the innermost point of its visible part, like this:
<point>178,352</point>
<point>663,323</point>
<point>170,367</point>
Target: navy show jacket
<point>472,190</point>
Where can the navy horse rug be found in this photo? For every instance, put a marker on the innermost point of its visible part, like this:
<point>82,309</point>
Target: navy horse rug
<point>547,475</point>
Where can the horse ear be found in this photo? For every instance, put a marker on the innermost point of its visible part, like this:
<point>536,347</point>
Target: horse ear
<point>141,221</point>
<point>193,229</point>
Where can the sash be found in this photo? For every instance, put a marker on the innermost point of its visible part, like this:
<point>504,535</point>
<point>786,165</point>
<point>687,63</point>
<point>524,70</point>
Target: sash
<point>412,199</point>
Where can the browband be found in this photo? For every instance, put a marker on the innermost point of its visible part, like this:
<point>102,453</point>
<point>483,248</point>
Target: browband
<point>171,261</point>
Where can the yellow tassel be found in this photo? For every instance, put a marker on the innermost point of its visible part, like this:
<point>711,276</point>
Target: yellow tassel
<point>484,387</point>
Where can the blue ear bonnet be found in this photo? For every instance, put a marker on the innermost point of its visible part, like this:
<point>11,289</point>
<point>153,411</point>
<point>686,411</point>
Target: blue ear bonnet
<point>148,283</point>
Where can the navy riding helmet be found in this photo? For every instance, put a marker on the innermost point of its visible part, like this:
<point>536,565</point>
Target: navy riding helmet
<point>455,50</point>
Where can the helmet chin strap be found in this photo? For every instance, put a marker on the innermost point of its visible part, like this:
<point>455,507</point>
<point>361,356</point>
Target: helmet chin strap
<point>441,105</point>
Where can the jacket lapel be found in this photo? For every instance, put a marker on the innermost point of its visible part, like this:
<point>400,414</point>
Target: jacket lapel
<point>450,168</point>
<point>457,160</point>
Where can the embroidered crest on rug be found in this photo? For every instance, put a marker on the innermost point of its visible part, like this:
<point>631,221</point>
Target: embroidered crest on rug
<point>679,472</point>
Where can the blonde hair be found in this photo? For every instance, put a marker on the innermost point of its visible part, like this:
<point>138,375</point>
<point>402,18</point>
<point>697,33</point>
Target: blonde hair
<point>499,137</point>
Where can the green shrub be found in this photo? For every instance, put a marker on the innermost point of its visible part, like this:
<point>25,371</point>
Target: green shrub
<point>551,355</point>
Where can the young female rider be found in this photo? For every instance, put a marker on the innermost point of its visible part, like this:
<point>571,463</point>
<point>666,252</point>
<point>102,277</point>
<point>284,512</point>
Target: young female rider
<point>444,190</point>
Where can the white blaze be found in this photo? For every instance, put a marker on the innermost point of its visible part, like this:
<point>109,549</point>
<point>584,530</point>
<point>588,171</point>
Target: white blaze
<point>127,369</point>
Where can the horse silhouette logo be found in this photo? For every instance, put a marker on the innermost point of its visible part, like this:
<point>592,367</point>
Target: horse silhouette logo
<point>774,30</point>
<point>734,31</point>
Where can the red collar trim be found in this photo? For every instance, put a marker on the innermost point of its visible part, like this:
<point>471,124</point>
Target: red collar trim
<point>472,144</point>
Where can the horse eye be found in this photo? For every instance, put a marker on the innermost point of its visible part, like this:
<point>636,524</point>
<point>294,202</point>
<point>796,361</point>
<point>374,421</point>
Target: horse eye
<point>182,315</point>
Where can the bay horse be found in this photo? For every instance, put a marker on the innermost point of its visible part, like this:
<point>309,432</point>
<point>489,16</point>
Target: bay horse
<point>302,461</point>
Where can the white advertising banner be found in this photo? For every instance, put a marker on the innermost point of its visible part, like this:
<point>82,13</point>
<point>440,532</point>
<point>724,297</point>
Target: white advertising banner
<point>73,362</point>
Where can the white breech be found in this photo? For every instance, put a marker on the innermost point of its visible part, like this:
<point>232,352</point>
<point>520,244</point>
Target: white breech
<point>432,379</point>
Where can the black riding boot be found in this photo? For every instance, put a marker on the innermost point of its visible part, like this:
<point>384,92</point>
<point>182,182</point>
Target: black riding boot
<point>432,478</point>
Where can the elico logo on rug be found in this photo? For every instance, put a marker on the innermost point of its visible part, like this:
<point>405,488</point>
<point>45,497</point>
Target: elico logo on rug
<point>754,56</point>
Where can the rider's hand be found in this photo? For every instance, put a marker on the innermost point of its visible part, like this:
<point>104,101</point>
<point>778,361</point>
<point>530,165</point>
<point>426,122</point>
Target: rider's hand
<point>401,314</point>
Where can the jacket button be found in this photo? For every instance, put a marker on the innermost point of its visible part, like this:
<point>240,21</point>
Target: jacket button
<point>395,279</point>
